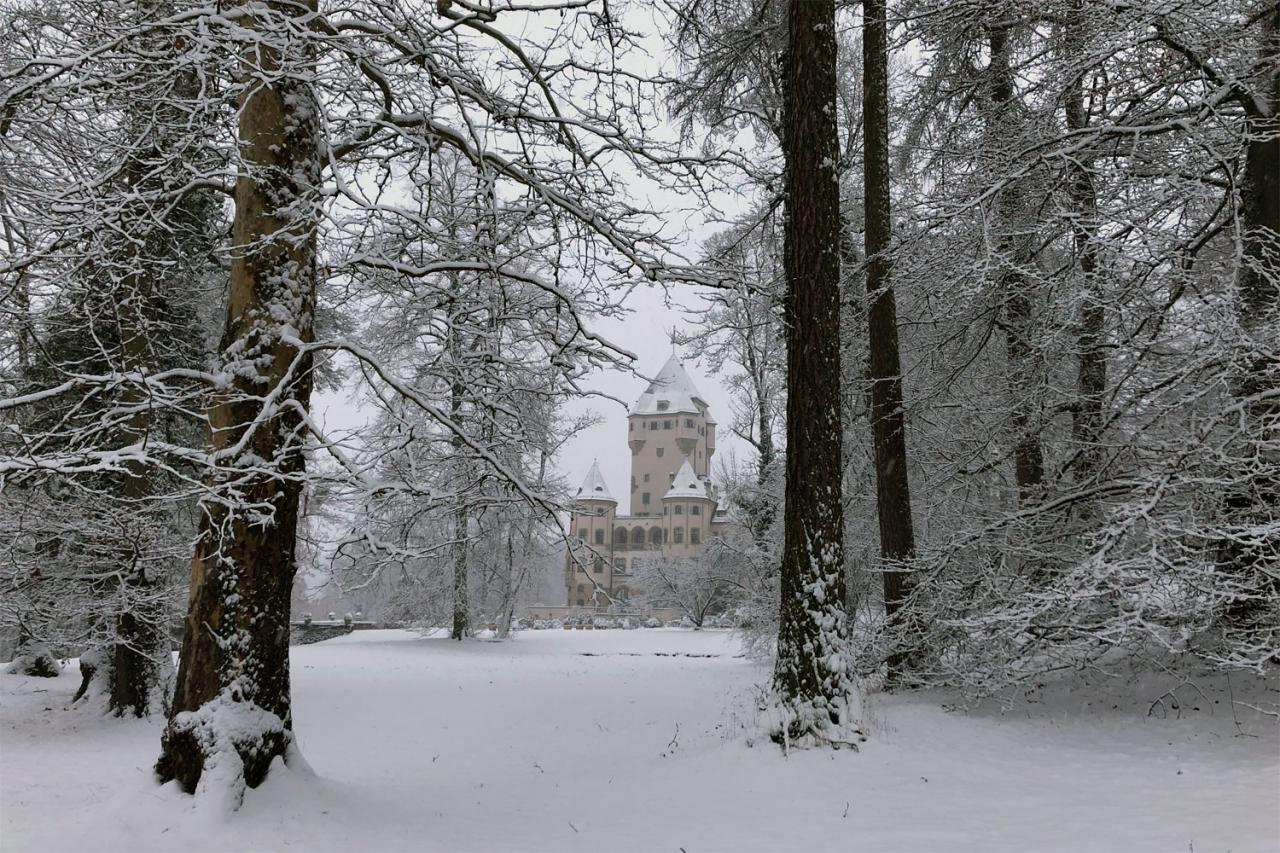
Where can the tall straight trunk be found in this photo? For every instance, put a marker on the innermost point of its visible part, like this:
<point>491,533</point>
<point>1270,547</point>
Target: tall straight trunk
<point>231,712</point>
<point>1091,364</point>
<point>1013,246</point>
<point>888,420</point>
<point>812,678</point>
<point>461,521</point>
<point>139,631</point>
<point>461,603</point>
<point>1251,556</point>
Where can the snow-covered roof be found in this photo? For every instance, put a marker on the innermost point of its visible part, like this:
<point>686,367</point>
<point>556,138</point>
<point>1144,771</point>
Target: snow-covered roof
<point>686,484</point>
<point>593,487</point>
<point>672,386</point>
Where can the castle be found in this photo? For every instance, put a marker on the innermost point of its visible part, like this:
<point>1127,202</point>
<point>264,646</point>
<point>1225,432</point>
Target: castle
<point>672,437</point>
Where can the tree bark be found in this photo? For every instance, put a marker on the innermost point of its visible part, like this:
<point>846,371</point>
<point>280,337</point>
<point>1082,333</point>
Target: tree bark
<point>231,711</point>
<point>1013,247</point>
<point>811,677</point>
<point>1091,366</point>
<point>1250,556</point>
<point>888,419</point>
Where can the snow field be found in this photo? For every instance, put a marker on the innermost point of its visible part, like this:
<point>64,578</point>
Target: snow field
<point>637,740</point>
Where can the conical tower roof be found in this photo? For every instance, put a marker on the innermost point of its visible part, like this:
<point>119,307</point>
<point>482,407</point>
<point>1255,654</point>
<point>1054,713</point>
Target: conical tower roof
<point>687,484</point>
<point>673,386</point>
<point>593,488</point>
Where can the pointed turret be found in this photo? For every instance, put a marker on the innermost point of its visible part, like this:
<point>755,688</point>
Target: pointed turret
<point>672,390</point>
<point>593,488</point>
<point>687,484</point>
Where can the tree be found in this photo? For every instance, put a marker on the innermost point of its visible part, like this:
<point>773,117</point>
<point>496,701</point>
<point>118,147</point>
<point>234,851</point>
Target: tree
<point>812,677</point>
<point>888,417</point>
<point>231,708</point>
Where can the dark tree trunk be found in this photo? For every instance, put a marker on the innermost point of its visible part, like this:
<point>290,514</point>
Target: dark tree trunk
<point>1013,245</point>
<point>888,420</point>
<point>234,667</point>
<point>811,676</point>
<point>1250,556</point>
<point>1091,367</point>
<point>461,604</point>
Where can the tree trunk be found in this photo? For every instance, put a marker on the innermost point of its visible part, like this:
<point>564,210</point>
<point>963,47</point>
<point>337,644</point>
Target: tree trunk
<point>1013,247</point>
<point>1091,367</point>
<point>812,676</point>
<point>888,419</point>
<point>1250,555</point>
<point>231,712</point>
<point>461,604</point>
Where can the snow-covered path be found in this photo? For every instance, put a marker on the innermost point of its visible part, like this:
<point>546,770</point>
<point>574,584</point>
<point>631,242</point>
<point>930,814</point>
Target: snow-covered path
<point>623,740</point>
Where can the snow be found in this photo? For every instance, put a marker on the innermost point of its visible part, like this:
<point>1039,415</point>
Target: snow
<point>638,740</point>
<point>594,487</point>
<point>674,387</point>
<point>686,484</point>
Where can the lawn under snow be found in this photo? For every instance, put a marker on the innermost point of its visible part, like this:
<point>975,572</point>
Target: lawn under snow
<point>637,740</point>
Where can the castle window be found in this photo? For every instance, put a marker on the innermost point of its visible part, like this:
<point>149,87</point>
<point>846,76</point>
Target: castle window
<point>631,427</point>
<point>695,510</point>
<point>620,537</point>
<point>621,565</point>
<point>663,405</point>
<point>582,588</point>
<point>623,593</point>
<point>637,537</point>
<point>679,510</point>
<point>599,537</point>
<point>688,422</point>
<point>581,603</point>
<point>660,449</point>
<point>695,535</point>
<point>677,535</point>
<point>655,536</point>
<point>666,424</point>
<point>653,424</point>
<point>646,478</point>
<point>644,498</point>
<point>597,565</point>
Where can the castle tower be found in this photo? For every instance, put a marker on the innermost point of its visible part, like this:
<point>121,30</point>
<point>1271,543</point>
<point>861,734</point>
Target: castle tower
<point>668,424</point>
<point>589,566</point>
<point>687,508</point>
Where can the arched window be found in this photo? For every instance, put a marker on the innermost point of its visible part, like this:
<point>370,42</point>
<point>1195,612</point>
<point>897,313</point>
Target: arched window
<point>637,537</point>
<point>620,537</point>
<point>655,535</point>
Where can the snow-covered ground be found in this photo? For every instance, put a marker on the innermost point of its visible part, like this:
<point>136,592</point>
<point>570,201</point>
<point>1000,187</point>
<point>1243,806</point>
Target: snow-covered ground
<point>638,740</point>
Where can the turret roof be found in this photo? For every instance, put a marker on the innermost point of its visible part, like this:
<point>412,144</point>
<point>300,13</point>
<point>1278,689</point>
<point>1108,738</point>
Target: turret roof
<point>673,386</point>
<point>687,484</point>
<point>593,488</point>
